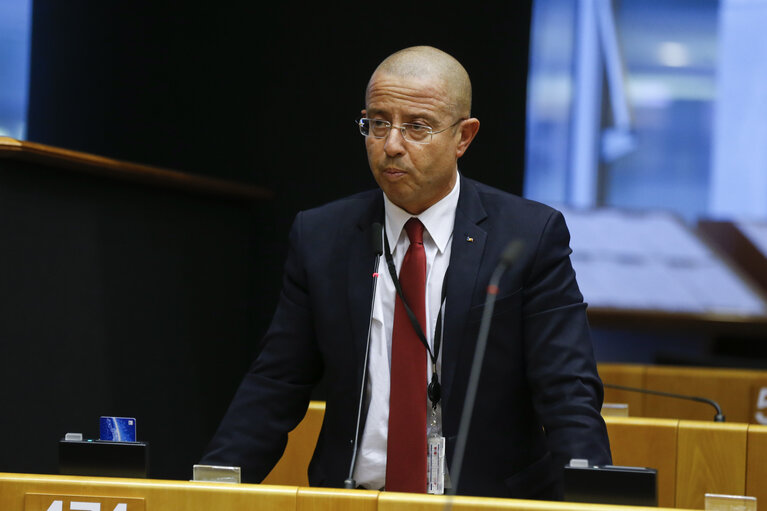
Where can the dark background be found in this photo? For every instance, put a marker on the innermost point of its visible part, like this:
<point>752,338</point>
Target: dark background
<point>162,320</point>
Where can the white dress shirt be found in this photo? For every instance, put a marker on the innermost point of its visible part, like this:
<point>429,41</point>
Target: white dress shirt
<point>438,221</point>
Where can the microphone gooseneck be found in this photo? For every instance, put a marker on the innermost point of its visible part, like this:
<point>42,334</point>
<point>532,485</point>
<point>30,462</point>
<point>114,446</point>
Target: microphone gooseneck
<point>509,255</point>
<point>377,244</point>
<point>719,417</point>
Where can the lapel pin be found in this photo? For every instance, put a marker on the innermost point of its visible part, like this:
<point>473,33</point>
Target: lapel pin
<point>469,239</point>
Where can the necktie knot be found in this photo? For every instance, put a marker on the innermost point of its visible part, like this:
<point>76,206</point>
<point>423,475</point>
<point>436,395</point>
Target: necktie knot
<point>414,229</point>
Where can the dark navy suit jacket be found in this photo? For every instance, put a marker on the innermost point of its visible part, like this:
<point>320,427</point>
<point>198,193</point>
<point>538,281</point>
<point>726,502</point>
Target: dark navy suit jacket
<point>539,395</point>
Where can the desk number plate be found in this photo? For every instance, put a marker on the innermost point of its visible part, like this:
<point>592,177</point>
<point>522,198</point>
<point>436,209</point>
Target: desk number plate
<point>46,502</point>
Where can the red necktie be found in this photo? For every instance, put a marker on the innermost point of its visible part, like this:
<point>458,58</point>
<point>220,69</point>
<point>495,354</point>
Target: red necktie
<point>406,445</point>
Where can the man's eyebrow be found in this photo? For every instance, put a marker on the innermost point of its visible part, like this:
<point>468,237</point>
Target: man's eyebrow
<point>430,120</point>
<point>373,111</point>
<point>427,116</point>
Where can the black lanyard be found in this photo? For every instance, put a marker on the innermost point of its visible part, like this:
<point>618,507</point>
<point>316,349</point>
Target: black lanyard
<point>434,388</point>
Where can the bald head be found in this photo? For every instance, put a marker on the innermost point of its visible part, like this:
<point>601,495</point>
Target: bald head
<point>428,62</point>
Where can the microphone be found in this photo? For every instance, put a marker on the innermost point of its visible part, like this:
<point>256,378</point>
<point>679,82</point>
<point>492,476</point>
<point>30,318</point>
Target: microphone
<point>377,244</point>
<point>377,240</point>
<point>509,255</point>
<point>719,417</point>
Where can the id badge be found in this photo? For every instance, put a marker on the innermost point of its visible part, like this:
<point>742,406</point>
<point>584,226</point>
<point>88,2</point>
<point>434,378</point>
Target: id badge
<point>435,468</point>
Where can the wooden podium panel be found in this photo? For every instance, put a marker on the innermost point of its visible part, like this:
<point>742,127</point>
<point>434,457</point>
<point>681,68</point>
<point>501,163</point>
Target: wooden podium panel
<point>292,467</point>
<point>711,458</point>
<point>157,495</point>
<point>639,442</point>
<point>756,463</point>
<point>411,502</point>
<point>691,458</point>
<point>328,499</point>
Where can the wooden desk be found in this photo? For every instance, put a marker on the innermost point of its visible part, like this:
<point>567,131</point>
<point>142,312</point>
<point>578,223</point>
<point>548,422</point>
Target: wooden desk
<point>692,457</point>
<point>156,495</point>
<point>756,462</point>
<point>736,390</point>
<point>711,458</point>
<point>637,442</point>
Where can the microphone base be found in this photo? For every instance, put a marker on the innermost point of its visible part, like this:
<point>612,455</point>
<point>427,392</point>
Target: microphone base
<point>350,484</point>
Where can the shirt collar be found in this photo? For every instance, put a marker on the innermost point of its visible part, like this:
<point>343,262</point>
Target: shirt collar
<point>438,220</point>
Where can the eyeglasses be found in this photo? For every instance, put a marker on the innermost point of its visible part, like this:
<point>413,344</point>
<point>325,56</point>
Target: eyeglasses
<point>412,132</point>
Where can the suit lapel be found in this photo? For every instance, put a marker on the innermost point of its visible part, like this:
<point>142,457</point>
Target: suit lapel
<point>359,280</point>
<point>466,254</point>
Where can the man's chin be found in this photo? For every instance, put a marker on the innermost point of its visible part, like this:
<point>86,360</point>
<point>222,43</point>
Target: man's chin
<point>395,196</point>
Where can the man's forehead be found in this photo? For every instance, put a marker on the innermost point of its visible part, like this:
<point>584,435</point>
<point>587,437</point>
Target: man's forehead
<point>428,92</point>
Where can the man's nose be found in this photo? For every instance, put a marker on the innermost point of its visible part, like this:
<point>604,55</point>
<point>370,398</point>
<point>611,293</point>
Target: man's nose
<point>395,143</point>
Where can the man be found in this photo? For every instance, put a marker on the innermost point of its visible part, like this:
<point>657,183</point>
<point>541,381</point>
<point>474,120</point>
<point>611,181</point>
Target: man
<point>539,394</point>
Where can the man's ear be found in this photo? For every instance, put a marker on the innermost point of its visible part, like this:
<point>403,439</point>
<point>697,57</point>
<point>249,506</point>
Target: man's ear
<point>364,112</point>
<point>469,129</point>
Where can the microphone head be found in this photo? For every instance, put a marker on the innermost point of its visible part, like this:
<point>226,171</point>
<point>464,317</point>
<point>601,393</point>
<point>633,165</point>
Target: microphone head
<point>377,238</point>
<point>512,252</point>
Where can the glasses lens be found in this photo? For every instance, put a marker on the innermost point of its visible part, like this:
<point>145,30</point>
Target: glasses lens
<point>379,128</point>
<point>364,125</point>
<point>417,132</point>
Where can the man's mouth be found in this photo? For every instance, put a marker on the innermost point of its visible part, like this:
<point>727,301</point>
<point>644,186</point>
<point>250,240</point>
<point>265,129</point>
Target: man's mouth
<point>393,172</point>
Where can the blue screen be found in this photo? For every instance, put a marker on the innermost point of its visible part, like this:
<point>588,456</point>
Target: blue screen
<point>15,32</point>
